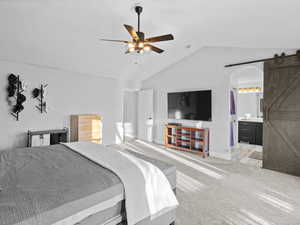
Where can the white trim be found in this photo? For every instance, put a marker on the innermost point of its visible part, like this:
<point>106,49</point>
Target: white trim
<point>220,155</point>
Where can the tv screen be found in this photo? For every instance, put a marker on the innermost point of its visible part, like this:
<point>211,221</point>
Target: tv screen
<point>192,105</point>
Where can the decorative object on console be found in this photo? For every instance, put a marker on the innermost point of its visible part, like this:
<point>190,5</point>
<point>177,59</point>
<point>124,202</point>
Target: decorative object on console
<point>39,94</point>
<point>46,137</point>
<point>15,97</point>
<point>189,139</point>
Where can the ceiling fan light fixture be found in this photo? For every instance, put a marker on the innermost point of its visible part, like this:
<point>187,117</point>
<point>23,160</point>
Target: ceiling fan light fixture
<point>138,42</point>
<point>132,49</point>
<point>131,45</point>
<point>141,45</point>
<point>147,48</point>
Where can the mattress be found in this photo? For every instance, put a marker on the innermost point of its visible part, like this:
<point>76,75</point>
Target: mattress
<point>44,185</point>
<point>115,216</point>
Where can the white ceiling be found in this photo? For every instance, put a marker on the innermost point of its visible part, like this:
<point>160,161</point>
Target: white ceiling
<point>64,34</point>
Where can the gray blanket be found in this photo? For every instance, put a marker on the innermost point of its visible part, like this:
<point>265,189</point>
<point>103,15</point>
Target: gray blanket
<point>41,180</point>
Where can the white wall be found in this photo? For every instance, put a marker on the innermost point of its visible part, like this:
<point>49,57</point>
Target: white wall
<point>130,114</point>
<point>67,93</point>
<point>202,70</point>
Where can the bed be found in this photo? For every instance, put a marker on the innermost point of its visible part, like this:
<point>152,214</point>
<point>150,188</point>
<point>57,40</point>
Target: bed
<point>44,185</point>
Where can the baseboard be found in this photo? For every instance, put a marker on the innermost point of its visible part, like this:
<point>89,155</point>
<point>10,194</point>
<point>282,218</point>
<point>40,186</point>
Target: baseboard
<point>130,138</point>
<point>159,142</point>
<point>220,155</point>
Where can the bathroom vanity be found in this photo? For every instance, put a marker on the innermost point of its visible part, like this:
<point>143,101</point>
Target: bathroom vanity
<point>251,131</point>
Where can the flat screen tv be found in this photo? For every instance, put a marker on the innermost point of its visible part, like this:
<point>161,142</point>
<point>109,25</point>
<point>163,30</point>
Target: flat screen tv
<point>191,105</point>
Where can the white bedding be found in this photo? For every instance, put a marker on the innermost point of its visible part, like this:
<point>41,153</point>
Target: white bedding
<point>147,190</point>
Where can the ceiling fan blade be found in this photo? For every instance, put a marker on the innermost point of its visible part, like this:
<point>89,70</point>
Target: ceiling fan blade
<point>115,40</point>
<point>155,49</point>
<point>132,32</point>
<point>167,37</point>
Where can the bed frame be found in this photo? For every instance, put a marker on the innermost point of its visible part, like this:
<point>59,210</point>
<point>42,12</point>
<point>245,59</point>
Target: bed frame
<point>124,222</point>
<point>56,136</point>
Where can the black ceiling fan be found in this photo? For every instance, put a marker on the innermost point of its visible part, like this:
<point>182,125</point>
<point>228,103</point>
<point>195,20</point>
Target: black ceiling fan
<point>139,43</point>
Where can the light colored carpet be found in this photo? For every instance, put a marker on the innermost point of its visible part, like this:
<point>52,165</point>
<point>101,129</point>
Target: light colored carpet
<point>218,192</point>
<point>256,155</point>
<point>242,153</point>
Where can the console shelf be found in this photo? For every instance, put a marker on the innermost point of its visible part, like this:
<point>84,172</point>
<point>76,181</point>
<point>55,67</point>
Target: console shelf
<point>188,139</point>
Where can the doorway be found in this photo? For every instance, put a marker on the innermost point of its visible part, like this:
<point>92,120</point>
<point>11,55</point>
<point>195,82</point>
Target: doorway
<point>247,83</point>
<point>145,115</point>
<point>130,115</point>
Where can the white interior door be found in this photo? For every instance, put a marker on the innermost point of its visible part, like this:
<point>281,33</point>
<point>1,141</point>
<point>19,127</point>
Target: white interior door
<point>145,115</point>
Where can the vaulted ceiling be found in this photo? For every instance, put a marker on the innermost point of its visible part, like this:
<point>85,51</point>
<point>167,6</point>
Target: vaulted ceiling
<point>64,34</point>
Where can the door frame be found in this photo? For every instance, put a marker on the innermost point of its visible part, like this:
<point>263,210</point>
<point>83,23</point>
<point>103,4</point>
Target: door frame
<point>140,120</point>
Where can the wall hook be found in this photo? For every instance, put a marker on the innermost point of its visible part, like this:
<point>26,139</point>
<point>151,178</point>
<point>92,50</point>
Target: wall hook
<point>39,94</point>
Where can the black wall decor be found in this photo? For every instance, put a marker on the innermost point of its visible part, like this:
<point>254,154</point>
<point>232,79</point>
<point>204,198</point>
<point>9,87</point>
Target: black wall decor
<point>39,94</point>
<point>15,97</point>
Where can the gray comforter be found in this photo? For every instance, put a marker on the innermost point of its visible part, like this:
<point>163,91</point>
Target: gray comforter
<point>47,184</point>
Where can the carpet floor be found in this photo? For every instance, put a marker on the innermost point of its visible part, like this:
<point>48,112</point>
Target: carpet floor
<point>243,153</point>
<point>213,191</point>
